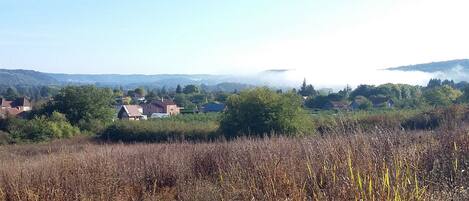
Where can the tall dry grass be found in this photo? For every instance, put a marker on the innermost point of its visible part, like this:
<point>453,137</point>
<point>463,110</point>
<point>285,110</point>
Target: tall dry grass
<point>426,165</point>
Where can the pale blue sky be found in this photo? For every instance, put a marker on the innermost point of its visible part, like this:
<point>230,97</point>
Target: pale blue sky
<point>203,36</point>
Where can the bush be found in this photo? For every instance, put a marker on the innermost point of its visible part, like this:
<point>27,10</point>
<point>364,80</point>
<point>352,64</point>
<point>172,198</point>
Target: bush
<point>363,120</point>
<point>4,138</point>
<point>82,104</point>
<point>450,117</point>
<point>262,111</point>
<point>159,130</point>
<point>40,128</point>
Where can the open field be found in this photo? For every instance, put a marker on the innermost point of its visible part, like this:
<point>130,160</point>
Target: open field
<point>379,165</point>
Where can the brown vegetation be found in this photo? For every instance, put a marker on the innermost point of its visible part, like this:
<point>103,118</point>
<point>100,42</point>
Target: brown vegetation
<point>381,165</point>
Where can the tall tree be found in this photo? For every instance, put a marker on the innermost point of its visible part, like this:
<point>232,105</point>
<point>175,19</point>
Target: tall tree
<point>190,89</point>
<point>262,111</point>
<point>140,91</point>
<point>178,89</point>
<point>83,103</point>
<point>434,83</point>
<point>444,95</point>
<point>151,96</point>
<point>307,89</point>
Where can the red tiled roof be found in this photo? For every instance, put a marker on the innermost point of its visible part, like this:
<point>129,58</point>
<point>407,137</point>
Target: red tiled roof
<point>19,102</point>
<point>164,103</point>
<point>6,103</point>
<point>11,111</point>
<point>133,110</point>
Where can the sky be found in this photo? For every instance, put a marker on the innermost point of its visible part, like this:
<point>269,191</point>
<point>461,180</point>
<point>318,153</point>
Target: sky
<point>317,39</point>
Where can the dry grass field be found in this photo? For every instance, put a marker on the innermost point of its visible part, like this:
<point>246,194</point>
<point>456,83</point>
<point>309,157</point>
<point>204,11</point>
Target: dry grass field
<point>380,165</point>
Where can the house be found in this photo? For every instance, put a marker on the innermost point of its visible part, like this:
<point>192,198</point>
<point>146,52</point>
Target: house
<point>160,108</point>
<point>213,107</point>
<point>337,105</point>
<point>375,101</point>
<point>381,102</point>
<point>131,112</point>
<point>138,98</point>
<point>15,107</point>
<point>358,102</point>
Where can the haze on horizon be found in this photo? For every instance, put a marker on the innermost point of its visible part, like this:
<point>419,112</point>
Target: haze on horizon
<point>328,41</point>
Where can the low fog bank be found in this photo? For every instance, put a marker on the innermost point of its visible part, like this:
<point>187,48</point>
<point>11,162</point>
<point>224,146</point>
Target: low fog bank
<point>338,79</point>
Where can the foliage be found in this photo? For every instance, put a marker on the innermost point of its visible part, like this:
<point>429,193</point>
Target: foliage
<point>82,104</point>
<point>140,91</point>
<point>447,117</point>
<point>158,130</point>
<point>151,96</point>
<point>10,94</point>
<point>316,102</point>
<point>178,89</point>
<point>190,89</point>
<point>182,100</point>
<point>443,96</point>
<point>262,111</point>
<point>39,129</point>
<point>307,90</point>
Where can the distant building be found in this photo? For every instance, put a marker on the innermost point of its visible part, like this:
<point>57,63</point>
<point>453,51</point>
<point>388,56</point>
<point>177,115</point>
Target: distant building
<point>160,108</point>
<point>376,102</point>
<point>213,107</point>
<point>337,105</point>
<point>15,107</point>
<point>381,102</point>
<point>138,98</point>
<point>131,112</point>
<point>358,102</point>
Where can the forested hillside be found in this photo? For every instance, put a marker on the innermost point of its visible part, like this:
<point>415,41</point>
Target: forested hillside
<point>441,66</point>
<point>25,77</point>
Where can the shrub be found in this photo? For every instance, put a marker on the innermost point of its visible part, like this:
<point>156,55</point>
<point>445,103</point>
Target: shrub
<point>450,117</point>
<point>262,111</point>
<point>40,128</point>
<point>4,138</point>
<point>159,130</point>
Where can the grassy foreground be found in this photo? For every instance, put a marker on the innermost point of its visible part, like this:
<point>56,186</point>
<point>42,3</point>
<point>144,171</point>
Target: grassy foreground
<point>381,165</point>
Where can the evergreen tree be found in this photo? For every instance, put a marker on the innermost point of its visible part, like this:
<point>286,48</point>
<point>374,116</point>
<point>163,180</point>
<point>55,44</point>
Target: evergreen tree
<point>178,89</point>
<point>307,89</point>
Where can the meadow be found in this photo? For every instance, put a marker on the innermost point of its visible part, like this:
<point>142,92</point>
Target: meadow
<point>369,155</point>
<point>383,164</point>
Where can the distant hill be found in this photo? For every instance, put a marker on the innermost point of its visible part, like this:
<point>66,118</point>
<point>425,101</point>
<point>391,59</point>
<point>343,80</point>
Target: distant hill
<point>442,66</point>
<point>118,79</point>
<point>25,77</point>
<point>210,82</point>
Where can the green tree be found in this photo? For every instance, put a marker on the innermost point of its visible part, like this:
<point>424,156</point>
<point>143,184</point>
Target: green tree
<point>181,100</point>
<point>140,91</point>
<point>151,96</point>
<point>433,83</point>
<point>190,89</point>
<point>262,111</point>
<point>465,95</point>
<point>363,103</point>
<point>307,90</point>
<point>441,96</point>
<point>118,93</point>
<point>316,102</point>
<point>83,103</point>
<point>10,94</point>
<point>178,89</point>
<point>363,90</point>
